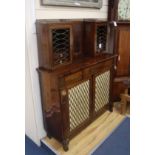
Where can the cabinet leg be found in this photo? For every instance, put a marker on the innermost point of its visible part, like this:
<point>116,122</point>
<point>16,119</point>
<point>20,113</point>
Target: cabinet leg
<point>65,144</point>
<point>111,107</point>
<point>49,136</point>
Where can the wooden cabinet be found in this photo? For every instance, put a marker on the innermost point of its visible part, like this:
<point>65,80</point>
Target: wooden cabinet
<point>75,80</point>
<point>71,101</point>
<point>76,69</point>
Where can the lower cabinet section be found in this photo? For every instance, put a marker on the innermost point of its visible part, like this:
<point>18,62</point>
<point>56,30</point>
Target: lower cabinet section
<point>71,102</point>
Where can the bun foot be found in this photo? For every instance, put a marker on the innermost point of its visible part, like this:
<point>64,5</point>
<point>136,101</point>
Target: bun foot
<point>65,144</point>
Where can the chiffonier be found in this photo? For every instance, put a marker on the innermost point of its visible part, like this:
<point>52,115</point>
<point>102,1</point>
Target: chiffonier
<point>76,64</point>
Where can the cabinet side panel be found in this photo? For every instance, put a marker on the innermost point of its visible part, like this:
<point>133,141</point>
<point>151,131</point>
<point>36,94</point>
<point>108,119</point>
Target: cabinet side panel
<point>43,45</point>
<point>51,105</point>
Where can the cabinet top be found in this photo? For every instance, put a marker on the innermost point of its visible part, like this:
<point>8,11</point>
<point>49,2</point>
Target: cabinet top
<point>79,64</point>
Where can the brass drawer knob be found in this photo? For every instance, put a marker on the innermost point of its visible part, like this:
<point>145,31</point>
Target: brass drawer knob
<point>115,67</point>
<point>63,92</point>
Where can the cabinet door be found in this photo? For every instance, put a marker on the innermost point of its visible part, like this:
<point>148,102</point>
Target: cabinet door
<point>123,50</point>
<point>61,45</point>
<point>102,91</point>
<point>78,106</point>
<point>78,98</point>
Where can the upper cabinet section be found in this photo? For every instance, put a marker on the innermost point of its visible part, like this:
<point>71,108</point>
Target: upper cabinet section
<point>61,42</point>
<point>96,38</point>
<point>119,10</point>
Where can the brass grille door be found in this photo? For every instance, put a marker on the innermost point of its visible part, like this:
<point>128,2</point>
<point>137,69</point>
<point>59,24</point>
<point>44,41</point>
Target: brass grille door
<point>78,104</point>
<point>61,45</point>
<point>101,38</point>
<point>102,85</point>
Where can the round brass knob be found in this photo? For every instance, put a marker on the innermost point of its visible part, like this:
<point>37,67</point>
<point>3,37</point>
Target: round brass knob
<point>115,67</point>
<point>63,92</point>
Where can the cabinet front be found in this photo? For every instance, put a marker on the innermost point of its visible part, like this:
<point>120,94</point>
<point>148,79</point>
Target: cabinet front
<point>86,98</point>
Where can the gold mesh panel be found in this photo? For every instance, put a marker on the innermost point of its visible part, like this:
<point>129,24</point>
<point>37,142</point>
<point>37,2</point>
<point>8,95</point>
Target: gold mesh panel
<point>101,38</point>
<point>61,45</point>
<point>102,83</point>
<point>78,104</point>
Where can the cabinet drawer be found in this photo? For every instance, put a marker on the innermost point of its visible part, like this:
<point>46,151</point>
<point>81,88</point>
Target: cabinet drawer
<point>97,68</point>
<point>100,67</point>
<point>73,78</point>
<point>86,73</point>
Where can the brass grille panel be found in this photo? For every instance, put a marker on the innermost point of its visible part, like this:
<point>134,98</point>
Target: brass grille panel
<point>61,45</point>
<point>78,104</point>
<point>101,38</point>
<point>102,84</point>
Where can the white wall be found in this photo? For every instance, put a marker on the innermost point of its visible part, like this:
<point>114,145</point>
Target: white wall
<point>34,124</point>
<point>30,122</point>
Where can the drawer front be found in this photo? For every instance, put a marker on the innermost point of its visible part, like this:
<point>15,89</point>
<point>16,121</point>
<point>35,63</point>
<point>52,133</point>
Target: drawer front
<point>97,68</point>
<point>100,67</point>
<point>75,77</point>
<point>87,73</point>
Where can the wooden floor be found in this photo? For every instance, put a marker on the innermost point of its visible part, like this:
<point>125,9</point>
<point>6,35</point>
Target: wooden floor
<point>89,138</point>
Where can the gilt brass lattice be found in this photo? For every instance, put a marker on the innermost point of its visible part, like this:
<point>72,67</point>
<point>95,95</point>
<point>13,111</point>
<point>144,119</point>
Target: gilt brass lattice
<point>102,84</point>
<point>101,38</point>
<point>78,104</point>
<point>61,45</point>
